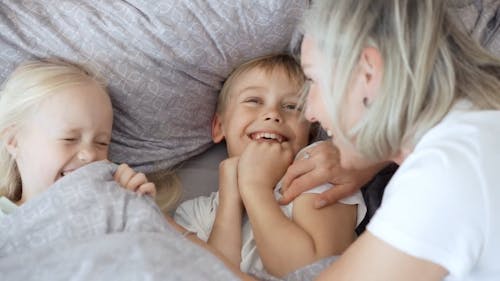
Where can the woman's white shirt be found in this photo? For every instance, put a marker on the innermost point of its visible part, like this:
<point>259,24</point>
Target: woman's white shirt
<point>443,203</point>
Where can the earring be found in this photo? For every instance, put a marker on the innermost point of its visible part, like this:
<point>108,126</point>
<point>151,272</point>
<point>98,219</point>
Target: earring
<point>366,103</point>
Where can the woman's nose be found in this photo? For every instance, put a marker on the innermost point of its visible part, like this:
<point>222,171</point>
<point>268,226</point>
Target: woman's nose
<point>309,114</point>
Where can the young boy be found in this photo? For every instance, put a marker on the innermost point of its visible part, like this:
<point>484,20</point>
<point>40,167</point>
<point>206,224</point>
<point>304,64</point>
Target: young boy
<point>258,116</point>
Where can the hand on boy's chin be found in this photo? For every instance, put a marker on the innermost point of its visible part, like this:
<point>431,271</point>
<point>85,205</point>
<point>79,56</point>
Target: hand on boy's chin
<point>262,164</point>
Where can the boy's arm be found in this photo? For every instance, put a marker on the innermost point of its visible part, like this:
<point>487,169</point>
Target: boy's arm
<point>286,245</point>
<point>235,269</point>
<point>226,230</point>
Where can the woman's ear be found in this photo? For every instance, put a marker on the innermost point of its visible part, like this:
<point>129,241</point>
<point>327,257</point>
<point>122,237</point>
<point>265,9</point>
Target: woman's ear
<point>217,130</point>
<point>372,69</point>
<point>10,143</point>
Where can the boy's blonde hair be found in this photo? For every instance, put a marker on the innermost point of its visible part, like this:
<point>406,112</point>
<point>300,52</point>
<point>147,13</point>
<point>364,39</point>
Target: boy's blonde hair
<point>268,63</point>
<point>25,89</point>
<point>428,65</point>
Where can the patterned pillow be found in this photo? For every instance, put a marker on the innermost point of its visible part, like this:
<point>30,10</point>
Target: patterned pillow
<point>164,60</point>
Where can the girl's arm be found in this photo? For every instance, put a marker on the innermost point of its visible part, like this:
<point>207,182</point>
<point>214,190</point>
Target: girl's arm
<point>285,245</point>
<point>226,230</point>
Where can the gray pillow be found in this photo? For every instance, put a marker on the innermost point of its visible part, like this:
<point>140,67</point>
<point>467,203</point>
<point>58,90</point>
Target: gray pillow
<point>164,60</point>
<point>480,19</point>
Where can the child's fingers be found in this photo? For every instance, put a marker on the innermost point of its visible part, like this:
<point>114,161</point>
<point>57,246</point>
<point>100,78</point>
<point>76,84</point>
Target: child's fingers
<point>136,181</point>
<point>123,175</point>
<point>119,171</point>
<point>147,188</point>
<point>133,181</point>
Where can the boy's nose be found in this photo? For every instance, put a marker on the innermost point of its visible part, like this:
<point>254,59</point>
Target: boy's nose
<point>273,117</point>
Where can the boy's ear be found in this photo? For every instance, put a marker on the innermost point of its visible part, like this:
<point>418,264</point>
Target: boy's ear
<point>217,131</point>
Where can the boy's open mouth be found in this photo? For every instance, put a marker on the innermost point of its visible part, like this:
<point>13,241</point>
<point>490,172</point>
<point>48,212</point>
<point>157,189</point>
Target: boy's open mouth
<point>264,136</point>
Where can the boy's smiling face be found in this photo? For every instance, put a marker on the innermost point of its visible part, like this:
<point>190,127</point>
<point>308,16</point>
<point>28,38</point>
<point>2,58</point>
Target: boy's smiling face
<point>262,107</point>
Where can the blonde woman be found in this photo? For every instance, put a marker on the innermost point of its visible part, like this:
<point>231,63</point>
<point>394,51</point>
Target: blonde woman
<point>394,80</point>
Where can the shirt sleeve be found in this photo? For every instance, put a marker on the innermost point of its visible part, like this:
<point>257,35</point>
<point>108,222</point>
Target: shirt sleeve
<point>198,215</point>
<point>433,209</point>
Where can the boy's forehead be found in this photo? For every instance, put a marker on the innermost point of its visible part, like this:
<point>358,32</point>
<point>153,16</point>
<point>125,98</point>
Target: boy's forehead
<point>261,79</point>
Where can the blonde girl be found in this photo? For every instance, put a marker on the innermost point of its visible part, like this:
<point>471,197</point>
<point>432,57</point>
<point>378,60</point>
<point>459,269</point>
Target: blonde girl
<point>55,116</point>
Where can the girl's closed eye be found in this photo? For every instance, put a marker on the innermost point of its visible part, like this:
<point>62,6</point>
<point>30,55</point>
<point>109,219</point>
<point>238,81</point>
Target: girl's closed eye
<point>70,139</point>
<point>252,100</point>
<point>102,143</point>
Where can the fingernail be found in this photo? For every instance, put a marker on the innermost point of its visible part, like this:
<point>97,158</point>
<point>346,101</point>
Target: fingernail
<point>319,203</point>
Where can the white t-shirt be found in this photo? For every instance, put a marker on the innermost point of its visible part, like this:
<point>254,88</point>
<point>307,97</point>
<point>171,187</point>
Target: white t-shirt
<point>198,215</point>
<point>443,203</point>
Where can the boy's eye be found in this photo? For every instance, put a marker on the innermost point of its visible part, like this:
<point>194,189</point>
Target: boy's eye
<point>69,139</point>
<point>290,106</point>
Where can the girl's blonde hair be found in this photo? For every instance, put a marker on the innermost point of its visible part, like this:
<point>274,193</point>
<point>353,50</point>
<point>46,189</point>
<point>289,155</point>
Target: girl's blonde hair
<point>27,87</point>
<point>428,64</point>
<point>168,189</point>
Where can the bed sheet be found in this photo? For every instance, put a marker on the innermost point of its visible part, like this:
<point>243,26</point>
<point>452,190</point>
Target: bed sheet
<point>86,227</point>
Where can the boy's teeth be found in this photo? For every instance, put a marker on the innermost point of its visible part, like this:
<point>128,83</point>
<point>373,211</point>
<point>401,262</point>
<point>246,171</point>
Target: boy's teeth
<point>269,136</point>
<point>329,133</point>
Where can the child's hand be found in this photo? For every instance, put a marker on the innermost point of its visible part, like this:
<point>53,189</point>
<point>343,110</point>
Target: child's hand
<point>262,164</point>
<point>228,181</point>
<point>131,180</point>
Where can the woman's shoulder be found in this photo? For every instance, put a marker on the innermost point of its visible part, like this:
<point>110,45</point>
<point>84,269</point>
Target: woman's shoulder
<point>466,130</point>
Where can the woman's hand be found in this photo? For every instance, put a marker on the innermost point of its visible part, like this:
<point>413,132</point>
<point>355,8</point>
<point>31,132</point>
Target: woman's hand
<point>322,165</point>
<point>133,181</point>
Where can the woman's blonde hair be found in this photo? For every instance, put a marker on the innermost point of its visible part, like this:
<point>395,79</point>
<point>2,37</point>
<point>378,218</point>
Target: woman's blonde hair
<point>428,64</point>
<point>24,90</point>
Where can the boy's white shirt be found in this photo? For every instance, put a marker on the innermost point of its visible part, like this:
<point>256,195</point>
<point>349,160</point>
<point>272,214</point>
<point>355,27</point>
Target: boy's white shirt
<point>198,215</point>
